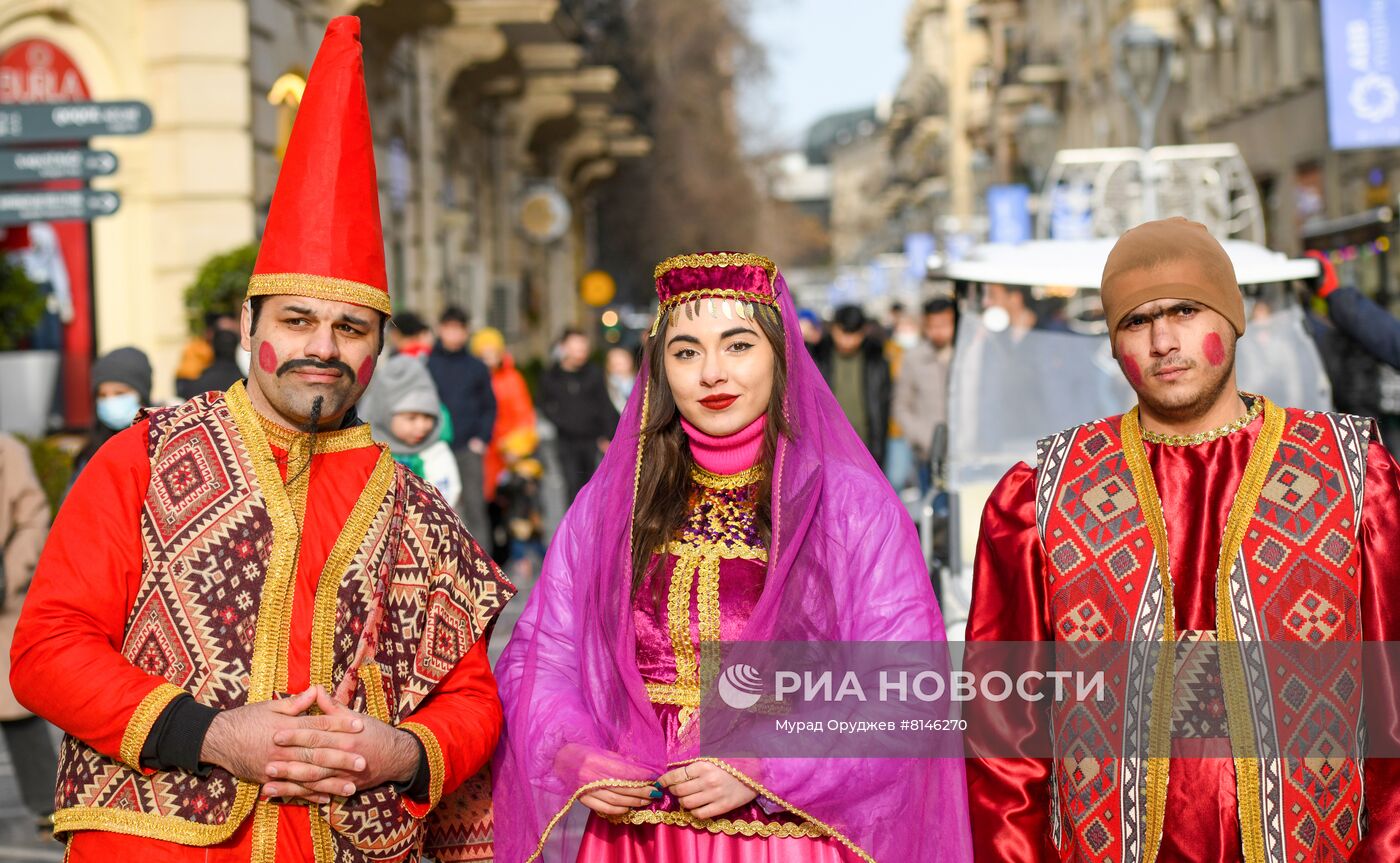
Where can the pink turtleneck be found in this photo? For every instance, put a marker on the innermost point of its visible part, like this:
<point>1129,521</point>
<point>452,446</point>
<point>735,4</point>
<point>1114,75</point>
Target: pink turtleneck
<point>730,454</point>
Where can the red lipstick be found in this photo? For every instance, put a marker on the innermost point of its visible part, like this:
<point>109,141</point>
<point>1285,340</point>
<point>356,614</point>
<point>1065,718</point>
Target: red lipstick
<point>719,401</point>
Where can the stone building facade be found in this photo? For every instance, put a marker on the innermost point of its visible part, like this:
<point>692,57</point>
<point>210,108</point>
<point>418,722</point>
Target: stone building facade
<point>1248,72</point>
<point>492,130</point>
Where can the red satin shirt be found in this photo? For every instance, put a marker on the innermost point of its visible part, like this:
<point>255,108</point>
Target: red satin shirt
<point>1009,798</point>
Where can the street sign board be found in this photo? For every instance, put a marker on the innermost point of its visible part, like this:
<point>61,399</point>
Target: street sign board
<point>71,121</point>
<point>35,166</point>
<point>18,207</point>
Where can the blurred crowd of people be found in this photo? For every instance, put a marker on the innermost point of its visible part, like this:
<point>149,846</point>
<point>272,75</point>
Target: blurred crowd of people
<point>891,379</point>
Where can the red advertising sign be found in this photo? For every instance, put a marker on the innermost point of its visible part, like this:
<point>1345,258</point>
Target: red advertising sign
<point>36,70</point>
<point>39,71</point>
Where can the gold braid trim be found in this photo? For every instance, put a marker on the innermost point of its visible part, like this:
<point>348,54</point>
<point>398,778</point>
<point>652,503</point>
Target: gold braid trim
<point>274,609</point>
<point>299,470</point>
<point>169,828</point>
<point>352,536</point>
<point>707,599</point>
<point>569,804</point>
<point>372,679</point>
<point>716,294</point>
<point>722,550</point>
<point>320,288</point>
<point>437,768</point>
<point>678,622</point>
<point>726,482</point>
<point>265,819</point>
<point>677,695</point>
<point>1159,720</point>
<point>827,829</point>
<point>1238,713</point>
<point>138,728</point>
<point>322,843</point>
<point>715,259</point>
<point>333,441</point>
<point>637,474</point>
<point>741,307</point>
<point>708,610</point>
<point>736,827</point>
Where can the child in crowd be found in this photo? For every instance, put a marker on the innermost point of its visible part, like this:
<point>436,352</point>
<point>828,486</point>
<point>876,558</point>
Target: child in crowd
<point>518,496</point>
<point>407,415</point>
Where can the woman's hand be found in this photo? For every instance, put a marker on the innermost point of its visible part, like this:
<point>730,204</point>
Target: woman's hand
<point>616,800</point>
<point>706,791</point>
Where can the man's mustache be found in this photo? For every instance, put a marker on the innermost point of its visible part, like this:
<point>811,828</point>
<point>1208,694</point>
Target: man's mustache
<point>1171,364</point>
<point>336,365</point>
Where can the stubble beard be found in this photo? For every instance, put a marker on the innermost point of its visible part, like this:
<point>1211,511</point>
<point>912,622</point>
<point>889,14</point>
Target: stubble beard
<point>1185,407</point>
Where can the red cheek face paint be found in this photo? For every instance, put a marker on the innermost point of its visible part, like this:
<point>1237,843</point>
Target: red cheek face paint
<point>267,358</point>
<point>1214,349</point>
<point>366,372</point>
<point>1134,373</point>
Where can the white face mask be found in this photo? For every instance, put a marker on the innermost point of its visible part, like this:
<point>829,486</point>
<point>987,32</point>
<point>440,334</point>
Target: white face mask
<point>117,412</point>
<point>996,319</point>
<point>906,338</point>
<point>243,358</point>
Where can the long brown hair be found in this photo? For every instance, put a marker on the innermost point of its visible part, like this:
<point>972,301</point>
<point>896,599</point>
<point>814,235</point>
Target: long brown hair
<point>663,486</point>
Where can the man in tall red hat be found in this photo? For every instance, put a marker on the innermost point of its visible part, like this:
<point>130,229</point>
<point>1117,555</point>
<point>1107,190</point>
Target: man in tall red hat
<point>264,638</point>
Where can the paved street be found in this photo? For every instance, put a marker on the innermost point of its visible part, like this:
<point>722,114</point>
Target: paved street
<point>18,838</point>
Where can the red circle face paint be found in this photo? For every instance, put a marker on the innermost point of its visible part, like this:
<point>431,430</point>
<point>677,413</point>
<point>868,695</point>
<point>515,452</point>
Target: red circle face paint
<point>366,372</point>
<point>267,358</point>
<point>1134,373</point>
<point>1214,349</point>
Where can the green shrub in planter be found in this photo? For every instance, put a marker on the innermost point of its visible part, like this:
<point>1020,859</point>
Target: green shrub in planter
<point>221,285</point>
<point>21,305</point>
<point>53,465</point>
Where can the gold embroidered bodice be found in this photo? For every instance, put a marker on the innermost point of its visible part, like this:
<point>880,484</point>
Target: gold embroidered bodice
<point>722,525</point>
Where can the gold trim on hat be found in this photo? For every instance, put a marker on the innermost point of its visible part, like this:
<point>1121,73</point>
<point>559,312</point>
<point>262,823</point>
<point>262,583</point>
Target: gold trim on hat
<point>716,259</point>
<point>742,304</point>
<point>320,288</point>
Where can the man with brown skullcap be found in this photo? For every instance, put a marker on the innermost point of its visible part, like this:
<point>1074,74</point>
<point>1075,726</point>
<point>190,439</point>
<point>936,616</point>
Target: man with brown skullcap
<point>1202,515</point>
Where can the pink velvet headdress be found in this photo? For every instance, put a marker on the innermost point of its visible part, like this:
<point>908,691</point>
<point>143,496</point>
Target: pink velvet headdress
<point>731,281</point>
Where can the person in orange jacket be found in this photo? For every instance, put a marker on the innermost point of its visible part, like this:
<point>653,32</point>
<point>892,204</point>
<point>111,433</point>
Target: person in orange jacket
<point>515,409</point>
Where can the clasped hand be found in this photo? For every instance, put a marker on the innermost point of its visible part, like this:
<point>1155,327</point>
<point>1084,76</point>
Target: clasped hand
<point>292,754</point>
<point>702,789</point>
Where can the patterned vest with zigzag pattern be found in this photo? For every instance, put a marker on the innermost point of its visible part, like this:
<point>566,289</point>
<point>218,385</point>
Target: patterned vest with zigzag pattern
<point>1289,574</point>
<point>404,595</point>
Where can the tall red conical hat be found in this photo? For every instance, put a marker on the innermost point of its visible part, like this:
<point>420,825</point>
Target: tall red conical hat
<point>323,237</point>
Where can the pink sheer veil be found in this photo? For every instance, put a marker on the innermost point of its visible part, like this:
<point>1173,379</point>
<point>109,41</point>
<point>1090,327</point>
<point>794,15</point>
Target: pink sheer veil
<point>845,566</point>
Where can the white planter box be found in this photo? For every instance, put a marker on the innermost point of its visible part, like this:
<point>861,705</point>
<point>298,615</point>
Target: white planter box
<point>27,380</point>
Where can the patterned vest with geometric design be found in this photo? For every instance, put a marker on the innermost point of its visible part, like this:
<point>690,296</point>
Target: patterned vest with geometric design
<point>404,594</point>
<point>1294,576</point>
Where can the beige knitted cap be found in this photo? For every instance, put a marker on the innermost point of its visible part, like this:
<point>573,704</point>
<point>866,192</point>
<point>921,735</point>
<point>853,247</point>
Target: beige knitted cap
<point>1168,241</point>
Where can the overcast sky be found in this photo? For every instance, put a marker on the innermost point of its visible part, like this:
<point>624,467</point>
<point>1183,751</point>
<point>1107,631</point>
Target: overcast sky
<point>823,56</point>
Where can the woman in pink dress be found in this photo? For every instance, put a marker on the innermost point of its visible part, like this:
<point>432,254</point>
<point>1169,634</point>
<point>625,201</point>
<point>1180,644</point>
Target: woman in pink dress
<point>736,503</point>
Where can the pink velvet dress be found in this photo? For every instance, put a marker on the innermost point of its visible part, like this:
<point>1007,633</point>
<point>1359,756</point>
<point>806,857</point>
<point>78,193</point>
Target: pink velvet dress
<point>704,591</point>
